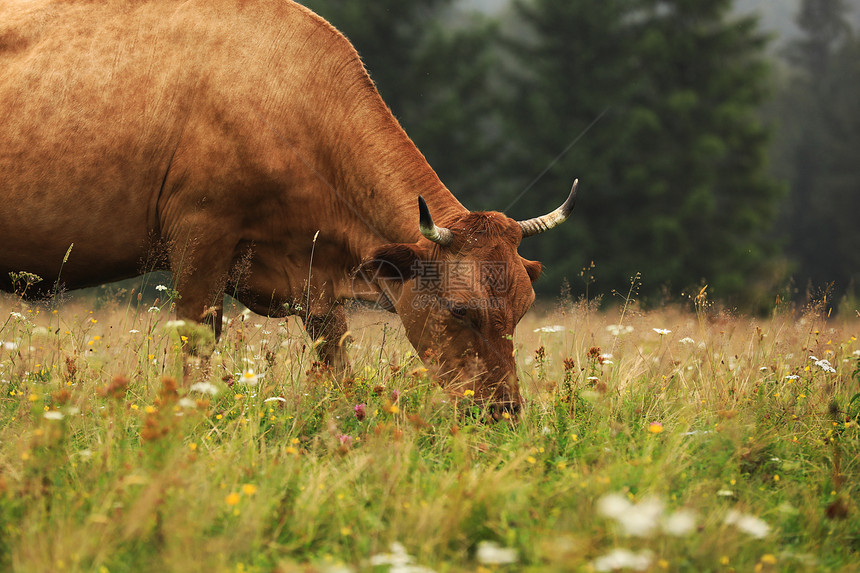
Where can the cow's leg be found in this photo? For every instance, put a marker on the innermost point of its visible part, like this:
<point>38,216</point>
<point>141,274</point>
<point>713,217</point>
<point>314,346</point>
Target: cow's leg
<point>199,276</point>
<point>202,328</point>
<point>330,332</point>
<point>201,301</point>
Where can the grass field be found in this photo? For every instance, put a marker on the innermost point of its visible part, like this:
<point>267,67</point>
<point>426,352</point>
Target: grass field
<point>664,440</point>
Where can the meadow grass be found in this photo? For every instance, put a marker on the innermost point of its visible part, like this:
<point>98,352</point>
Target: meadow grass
<point>664,440</point>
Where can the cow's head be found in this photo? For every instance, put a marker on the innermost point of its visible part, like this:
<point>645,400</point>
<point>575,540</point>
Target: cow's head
<point>460,292</point>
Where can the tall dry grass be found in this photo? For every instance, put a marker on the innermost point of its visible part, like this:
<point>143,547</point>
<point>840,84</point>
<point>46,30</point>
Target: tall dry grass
<point>717,423</point>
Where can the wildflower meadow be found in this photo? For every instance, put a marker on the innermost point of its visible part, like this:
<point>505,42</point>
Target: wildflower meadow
<point>668,440</point>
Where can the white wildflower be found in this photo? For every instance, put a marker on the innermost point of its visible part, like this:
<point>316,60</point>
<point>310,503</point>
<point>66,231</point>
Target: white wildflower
<point>623,559</point>
<point>10,346</point>
<point>276,399</point>
<point>825,365</point>
<point>489,553</point>
<point>17,315</point>
<point>661,331</point>
<point>153,309</point>
<point>687,340</point>
<point>174,324</point>
<point>763,368</point>
<point>749,524</point>
<point>553,328</point>
<point>398,559</point>
<point>856,353</point>
<point>160,288</point>
<point>725,493</point>
<point>619,329</point>
<point>133,331</point>
<point>792,377</point>
<point>53,415</point>
<point>638,520</point>
<point>613,505</point>
<point>187,403</point>
<point>680,523</point>
<point>642,518</point>
<point>248,378</point>
<point>606,356</point>
<point>204,388</point>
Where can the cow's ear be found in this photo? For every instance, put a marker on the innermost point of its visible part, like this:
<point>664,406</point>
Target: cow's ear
<point>396,261</point>
<point>533,268</point>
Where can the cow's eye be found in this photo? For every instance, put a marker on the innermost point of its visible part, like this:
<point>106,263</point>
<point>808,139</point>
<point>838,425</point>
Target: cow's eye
<point>458,311</point>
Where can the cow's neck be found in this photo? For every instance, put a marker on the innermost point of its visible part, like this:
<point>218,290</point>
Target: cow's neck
<point>378,181</point>
<point>370,173</point>
<point>381,173</point>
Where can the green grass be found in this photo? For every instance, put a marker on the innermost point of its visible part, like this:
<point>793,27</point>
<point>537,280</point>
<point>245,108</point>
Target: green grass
<point>141,474</point>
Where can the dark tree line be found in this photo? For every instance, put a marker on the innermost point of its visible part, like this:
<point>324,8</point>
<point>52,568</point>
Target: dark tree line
<point>656,106</point>
<point>819,152</point>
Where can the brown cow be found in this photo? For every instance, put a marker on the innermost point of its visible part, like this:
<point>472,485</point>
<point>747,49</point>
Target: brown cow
<point>234,139</point>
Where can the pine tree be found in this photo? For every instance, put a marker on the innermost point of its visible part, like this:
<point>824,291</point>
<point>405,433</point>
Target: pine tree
<point>673,179</point>
<point>569,72</point>
<point>839,179</point>
<point>820,120</point>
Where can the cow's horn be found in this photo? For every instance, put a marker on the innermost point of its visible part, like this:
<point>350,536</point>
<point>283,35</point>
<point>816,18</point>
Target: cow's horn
<point>540,224</point>
<point>439,235</point>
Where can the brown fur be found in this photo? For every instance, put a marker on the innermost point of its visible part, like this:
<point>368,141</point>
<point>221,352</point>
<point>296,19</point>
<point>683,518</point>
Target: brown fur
<point>237,136</point>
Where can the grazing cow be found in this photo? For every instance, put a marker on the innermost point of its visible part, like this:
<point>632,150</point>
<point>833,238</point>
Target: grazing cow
<point>243,146</point>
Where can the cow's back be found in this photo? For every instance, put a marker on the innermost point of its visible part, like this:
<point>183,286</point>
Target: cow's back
<point>96,100</point>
